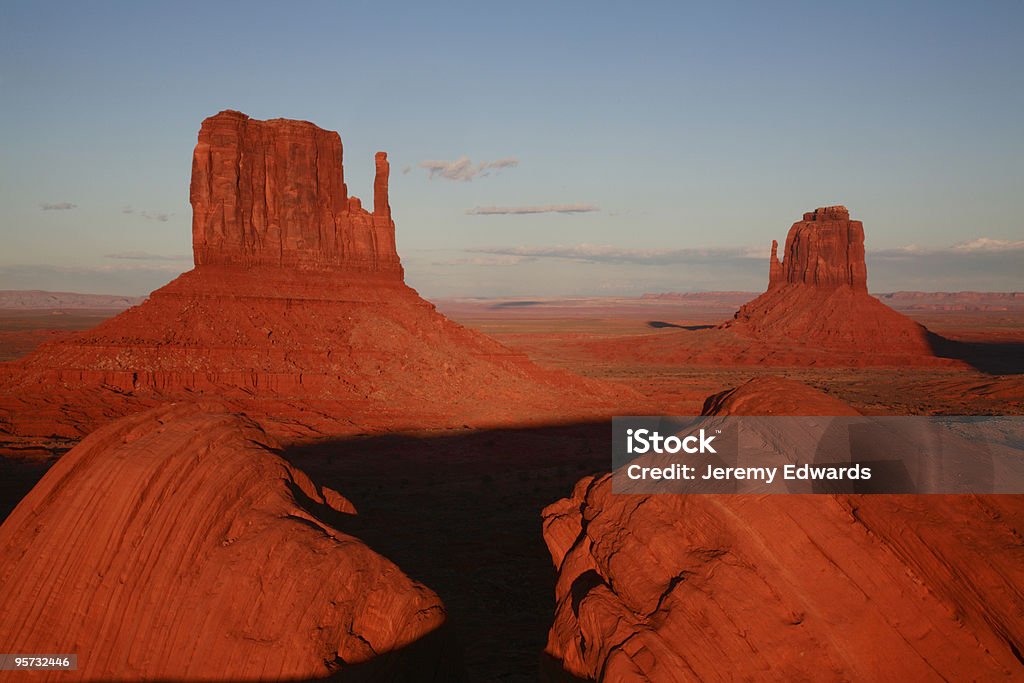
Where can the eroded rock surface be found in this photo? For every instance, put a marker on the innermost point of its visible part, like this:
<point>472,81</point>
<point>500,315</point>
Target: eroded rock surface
<point>274,193</point>
<point>785,587</point>
<point>175,545</point>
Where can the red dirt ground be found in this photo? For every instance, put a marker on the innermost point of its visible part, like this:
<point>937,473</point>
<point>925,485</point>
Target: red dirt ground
<point>479,492</point>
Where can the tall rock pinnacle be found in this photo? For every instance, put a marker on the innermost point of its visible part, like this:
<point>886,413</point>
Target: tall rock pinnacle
<point>381,207</point>
<point>273,193</point>
<point>775,275</point>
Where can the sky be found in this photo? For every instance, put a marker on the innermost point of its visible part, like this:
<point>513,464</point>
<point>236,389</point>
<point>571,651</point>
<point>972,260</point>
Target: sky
<point>537,149</point>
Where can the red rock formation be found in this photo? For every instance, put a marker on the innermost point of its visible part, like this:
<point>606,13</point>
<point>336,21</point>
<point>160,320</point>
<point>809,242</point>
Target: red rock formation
<point>818,297</point>
<point>824,250</point>
<point>175,545</point>
<point>746,587</point>
<point>273,193</point>
<point>296,308</point>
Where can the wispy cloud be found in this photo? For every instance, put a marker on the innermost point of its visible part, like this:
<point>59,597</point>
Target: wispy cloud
<point>148,215</point>
<point>986,244</point>
<point>464,169</point>
<point>600,253</point>
<point>146,256</point>
<point>125,278</point>
<point>492,260</point>
<point>520,210</point>
<point>979,246</point>
<point>982,264</point>
<point>57,206</point>
<point>970,251</point>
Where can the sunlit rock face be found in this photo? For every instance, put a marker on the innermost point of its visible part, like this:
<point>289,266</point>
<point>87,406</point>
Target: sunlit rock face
<point>176,545</point>
<point>784,587</point>
<point>297,296</point>
<point>273,193</point>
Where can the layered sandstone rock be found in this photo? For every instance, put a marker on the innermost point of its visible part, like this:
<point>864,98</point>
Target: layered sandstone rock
<point>817,295</point>
<point>825,587</point>
<point>825,250</point>
<point>273,193</point>
<point>175,545</point>
<point>296,309</point>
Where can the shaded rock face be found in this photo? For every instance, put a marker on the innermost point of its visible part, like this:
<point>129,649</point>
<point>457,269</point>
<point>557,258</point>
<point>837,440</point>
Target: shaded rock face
<point>706,587</point>
<point>273,193</point>
<point>297,297</point>
<point>818,297</point>
<point>175,545</point>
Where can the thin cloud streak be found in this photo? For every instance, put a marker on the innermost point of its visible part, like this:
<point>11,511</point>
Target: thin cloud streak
<point>975,251</point>
<point>128,278</point>
<point>524,210</point>
<point>599,253</point>
<point>488,261</point>
<point>57,206</point>
<point>145,256</point>
<point>986,244</point>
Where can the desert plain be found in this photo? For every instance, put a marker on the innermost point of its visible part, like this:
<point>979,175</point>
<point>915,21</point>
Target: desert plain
<point>474,496</point>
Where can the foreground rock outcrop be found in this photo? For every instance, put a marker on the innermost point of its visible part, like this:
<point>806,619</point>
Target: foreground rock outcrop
<point>296,309</point>
<point>763,587</point>
<point>818,294</point>
<point>175,545</point>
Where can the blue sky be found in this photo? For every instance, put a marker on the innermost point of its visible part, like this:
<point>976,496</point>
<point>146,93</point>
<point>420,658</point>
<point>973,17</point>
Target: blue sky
<point>696,133</point>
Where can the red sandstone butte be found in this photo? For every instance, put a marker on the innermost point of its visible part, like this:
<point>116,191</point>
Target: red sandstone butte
<point>296,308</point>
<point>273,193</point>
<point>818,294</point>
<point>175,545</point>
<point>785,587</point>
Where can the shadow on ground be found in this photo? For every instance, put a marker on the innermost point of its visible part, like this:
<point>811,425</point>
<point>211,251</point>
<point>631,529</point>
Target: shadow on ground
<point>427,660</point>
<point>993,358</point>
<point>660,324</point>
<point>460,512</point>
<point>17,477</point>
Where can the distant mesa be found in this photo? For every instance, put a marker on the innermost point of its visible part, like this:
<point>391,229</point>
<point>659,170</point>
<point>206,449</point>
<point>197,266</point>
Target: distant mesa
<point>174,544</point>
<point>38,299</point>
<point>818,294</point>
